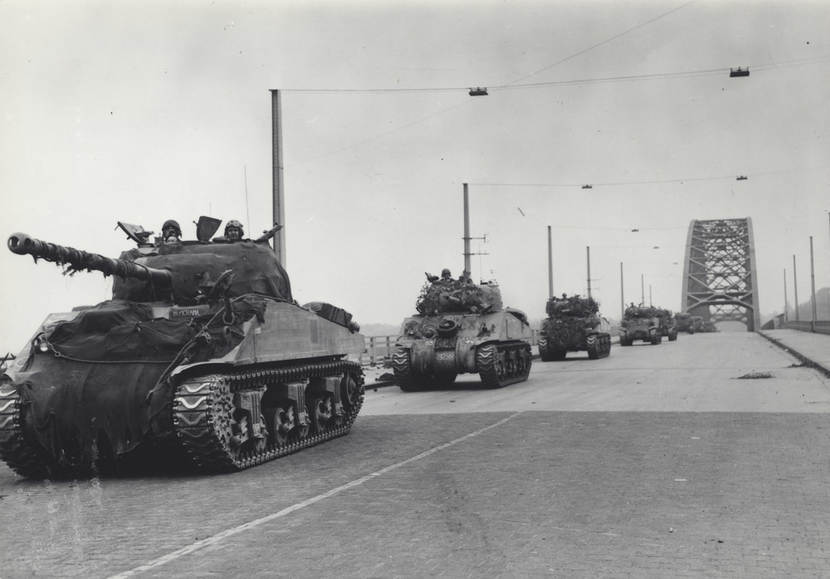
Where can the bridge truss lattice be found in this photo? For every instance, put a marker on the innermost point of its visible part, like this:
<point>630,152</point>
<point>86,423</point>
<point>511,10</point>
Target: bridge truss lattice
<point>719,277</point>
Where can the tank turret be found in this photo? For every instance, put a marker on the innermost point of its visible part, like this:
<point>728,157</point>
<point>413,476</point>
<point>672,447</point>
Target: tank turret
<point>78,260</point>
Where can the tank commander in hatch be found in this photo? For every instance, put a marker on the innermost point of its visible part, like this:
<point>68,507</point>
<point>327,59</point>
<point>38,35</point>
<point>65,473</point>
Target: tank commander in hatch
<point>234,231</point>
<point>171,232</point>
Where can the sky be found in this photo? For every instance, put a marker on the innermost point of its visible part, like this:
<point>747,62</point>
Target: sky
<point>144,111</point>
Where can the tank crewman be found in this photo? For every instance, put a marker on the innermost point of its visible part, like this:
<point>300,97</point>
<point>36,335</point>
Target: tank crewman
<point>446,276</point>
<point>171,232</point>
<point>234,231</point>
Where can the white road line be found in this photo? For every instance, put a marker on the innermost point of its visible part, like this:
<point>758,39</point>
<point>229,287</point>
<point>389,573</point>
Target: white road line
<point>219,537</point>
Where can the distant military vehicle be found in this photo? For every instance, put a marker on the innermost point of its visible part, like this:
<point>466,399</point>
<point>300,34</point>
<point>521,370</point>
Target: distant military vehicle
<point>684,322</point>
<point>461,327</point>
<point>697,323</point>
<point>202,352</point>
<point>640,323</point>
<point>573,324</point>
<point>668,325</point>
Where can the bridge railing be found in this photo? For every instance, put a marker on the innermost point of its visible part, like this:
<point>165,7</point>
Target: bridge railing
<point>819,327</point>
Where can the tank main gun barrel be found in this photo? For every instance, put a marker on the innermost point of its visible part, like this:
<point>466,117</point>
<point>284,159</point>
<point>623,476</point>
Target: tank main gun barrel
<point>78,260</point>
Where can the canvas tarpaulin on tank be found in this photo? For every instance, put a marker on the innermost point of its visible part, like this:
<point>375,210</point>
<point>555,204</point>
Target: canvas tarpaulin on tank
<point>120,331</point>
<point>105,363</point>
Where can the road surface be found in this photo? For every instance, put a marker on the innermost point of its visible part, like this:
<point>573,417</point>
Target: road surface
<point>658,461</point>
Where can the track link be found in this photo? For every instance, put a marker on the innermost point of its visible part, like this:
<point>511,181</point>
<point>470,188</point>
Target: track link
<point>407,381</point>
<point>599,346</point>
<point>501,364</point>
<point>203,411</point>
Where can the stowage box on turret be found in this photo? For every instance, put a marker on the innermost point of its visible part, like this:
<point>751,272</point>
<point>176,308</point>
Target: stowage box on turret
<point>202,348</point>
<point>573,324</point>
<point>461,327</point>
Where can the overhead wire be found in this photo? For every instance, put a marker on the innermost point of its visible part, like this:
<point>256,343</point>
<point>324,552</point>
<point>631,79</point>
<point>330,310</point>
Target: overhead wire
<point>606,41</point>
<point>715,71</point>
<point>592,184</point>
<point>447,109</point>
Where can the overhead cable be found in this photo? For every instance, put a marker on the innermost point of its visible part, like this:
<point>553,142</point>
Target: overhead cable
<point>570,82</point>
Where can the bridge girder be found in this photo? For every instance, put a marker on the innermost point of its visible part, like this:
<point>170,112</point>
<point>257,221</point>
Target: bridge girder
<point>719,274</point>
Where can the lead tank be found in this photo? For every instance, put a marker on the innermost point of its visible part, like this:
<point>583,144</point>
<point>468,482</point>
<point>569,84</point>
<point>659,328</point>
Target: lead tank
<point>461,327</point>
<point>201,351</point>
<point>573,325</point>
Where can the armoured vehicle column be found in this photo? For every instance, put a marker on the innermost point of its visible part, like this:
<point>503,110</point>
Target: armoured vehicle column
<point>201,349</point>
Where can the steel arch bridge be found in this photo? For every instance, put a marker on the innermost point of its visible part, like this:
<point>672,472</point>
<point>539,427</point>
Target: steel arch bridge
<point>719,279</point>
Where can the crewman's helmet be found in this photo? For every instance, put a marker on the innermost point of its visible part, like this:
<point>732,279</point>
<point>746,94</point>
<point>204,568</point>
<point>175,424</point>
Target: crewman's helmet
<point>446,273</point>
<point>234,230</point>
<point>170,228</point>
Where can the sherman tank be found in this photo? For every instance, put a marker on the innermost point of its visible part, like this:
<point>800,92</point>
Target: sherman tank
<point>640,323</point>
<point>684,322</point>
<point>573,325</point>
<point>461,327</point>
<point>201,351</point>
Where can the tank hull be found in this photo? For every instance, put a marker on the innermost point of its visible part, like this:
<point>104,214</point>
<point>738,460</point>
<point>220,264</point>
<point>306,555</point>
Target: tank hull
<point>640,329</point>
<point>433,350</point>
<point>230,388</point>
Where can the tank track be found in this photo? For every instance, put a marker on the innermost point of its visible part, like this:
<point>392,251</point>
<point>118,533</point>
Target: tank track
<point>503,363</point>
<point>599,346</point>
<point>203,411</point>
<point>23,457</point>
<point>549,352</point>
<point>403,371</point>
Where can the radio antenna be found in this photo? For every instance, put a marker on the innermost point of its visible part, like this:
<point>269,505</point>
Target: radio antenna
<point>247,208</point>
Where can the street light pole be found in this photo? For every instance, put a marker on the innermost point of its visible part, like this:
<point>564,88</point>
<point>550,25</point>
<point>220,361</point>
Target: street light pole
<point>588,253</point>
<point>786,303</point>
<point>642,290</point>
<point>550,266</point>
<point>277,175</point>
<point>622,293</point>
<point>467,233</point>
<point>812,289</point>
<point>795,288</point>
